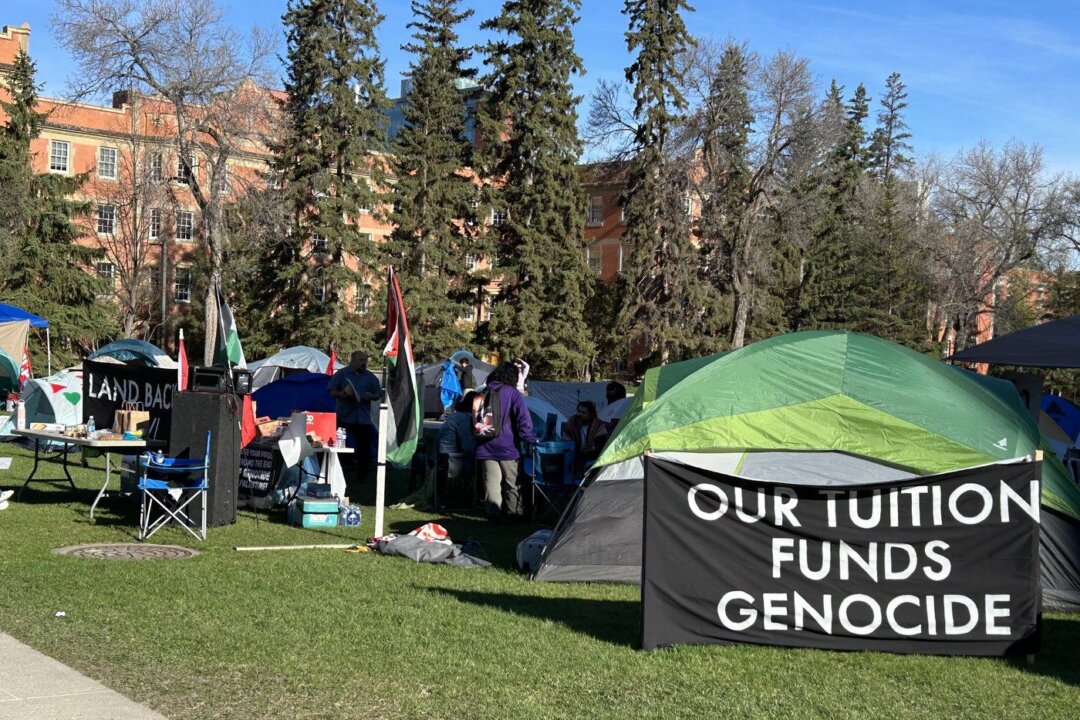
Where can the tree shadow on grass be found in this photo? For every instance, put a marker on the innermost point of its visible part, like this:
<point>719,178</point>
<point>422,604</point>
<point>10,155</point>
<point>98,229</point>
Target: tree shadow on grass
<point>612,621</point>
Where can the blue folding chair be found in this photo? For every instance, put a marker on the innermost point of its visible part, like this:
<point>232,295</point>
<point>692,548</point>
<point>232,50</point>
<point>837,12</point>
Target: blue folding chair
<point>171,485</point>
<point>550,467</point>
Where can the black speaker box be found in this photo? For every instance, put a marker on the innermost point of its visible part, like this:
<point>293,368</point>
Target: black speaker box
<point>193,415</point>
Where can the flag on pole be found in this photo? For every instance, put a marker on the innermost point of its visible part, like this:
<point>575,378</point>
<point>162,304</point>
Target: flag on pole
<point>400,379</point>
<point>229,352</point>
<point>333,361</point>
<point>181,365</point>
<point>25,372</point>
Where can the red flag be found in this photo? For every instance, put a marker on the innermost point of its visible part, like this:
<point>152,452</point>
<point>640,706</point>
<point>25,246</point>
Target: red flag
<point>25,373</point>
<point>247,422</point>
<point>181,365</point>
<point>333,361</point>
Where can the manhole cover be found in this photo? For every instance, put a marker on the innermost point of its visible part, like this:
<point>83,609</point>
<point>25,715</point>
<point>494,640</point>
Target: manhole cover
<point>127,551</point>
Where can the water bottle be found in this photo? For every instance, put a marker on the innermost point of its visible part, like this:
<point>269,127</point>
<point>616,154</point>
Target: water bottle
<point>90,427</point>
<point>341,437</point>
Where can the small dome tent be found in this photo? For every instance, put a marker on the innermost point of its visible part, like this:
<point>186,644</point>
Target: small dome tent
<point>9,374</point>
<point>816,407</point>
<point>292,360</point>
<point>134,352</point>
<point>55,399</point>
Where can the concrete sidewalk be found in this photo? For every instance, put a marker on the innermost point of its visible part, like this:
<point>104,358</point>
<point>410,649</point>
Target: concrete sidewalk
<point>36,687</point>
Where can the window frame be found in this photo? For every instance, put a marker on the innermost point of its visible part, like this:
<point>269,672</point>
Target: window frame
<point>190,285</point>
<point>589,259</point>
<point>156,162</point>
<point>182,213</point>
<point>99,218</point>
<point>154,230</point>
<point>101,162</point>
<point>111,272</point>
<point>593,205</point>
<point>54,145</point>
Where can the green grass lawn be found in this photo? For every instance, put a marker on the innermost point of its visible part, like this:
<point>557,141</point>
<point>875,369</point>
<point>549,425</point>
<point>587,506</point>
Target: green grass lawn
<point>329,634</point>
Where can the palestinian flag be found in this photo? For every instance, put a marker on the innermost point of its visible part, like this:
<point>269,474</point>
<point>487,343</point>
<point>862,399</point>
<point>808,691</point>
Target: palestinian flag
<point>402,392</point>
<point>229,353</point>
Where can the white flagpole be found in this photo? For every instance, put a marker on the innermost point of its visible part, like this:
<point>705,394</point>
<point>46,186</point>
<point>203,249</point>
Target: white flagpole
<point>179,368</point>
<point>380,469</point>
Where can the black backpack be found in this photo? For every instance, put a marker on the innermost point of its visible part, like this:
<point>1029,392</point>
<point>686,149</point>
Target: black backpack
<point>487,415</point>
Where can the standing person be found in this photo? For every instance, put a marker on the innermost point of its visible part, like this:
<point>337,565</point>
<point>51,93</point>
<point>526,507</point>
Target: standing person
<point>522,373</point>
<point>355,388</point>
<point>500,455</point>
<point>588,432</point>
<point>465,375</point>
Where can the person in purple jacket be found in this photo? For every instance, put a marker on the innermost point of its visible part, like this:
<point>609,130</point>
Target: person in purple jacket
<point>499,455</point>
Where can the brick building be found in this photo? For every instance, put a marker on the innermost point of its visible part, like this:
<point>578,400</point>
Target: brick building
<point>146,219</point>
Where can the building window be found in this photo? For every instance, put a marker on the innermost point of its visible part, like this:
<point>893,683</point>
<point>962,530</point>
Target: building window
<point>59,156</point>
<point>106,163</point>
<point>687,204</point>
<point>106,270</point>
<point>318,290</point>
<point>185,225</point>
<point>471,262</point>
<point>366,238</point>
<point>155,223</point>
<point>106,219</point>
<point>182,285</point>
<point>221,179</point>
<point>592,257</point>
<point>498,217</point>
<point>319,244</point>
<point>185,169</point>
<point>362,300</point>
<point>596,211</point>
<point>157,171</point>
<point>622,250</point>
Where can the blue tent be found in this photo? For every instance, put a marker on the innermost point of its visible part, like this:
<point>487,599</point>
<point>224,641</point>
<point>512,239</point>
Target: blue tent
<point>301,391</point>
<point>10,313</point>
<point>1064,413</point>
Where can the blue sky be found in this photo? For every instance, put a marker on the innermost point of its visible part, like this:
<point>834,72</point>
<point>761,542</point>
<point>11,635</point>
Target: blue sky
<point>975,70</point>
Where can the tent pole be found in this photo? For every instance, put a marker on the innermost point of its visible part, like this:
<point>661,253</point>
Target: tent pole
<point>380,468</point>
<point>48,350</point>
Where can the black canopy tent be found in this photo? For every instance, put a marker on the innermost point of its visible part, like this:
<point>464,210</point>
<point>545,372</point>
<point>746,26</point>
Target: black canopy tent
<point>1054,344</point>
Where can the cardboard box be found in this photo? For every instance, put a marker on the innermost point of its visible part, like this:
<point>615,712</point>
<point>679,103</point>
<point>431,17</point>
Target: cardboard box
<point>271,428</point>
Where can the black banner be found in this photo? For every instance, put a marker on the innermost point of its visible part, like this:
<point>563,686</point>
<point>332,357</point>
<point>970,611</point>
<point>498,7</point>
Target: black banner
<point>947,564</point>
<point>107,386</point>
<point>260,465</point>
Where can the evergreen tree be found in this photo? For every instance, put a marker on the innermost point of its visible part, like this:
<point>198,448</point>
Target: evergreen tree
<point>663,261</point>
<point>16,175</point>
<point>889,146</point>
<point>833,292</point>
<point>898,265</point>
<point>331,164</point>
<point>433,198</point>
<point>529,125</point>
<point>49,273</point>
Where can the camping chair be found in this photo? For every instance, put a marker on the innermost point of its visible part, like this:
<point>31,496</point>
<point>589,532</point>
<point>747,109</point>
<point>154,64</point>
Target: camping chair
<point>550,468</point>
<point>180,481</point>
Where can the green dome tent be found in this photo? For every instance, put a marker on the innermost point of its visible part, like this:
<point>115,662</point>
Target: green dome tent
<point>9,375</point>
<point>822,407</point>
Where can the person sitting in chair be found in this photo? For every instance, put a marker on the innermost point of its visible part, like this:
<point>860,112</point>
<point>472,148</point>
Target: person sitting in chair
<point>588,434</point>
